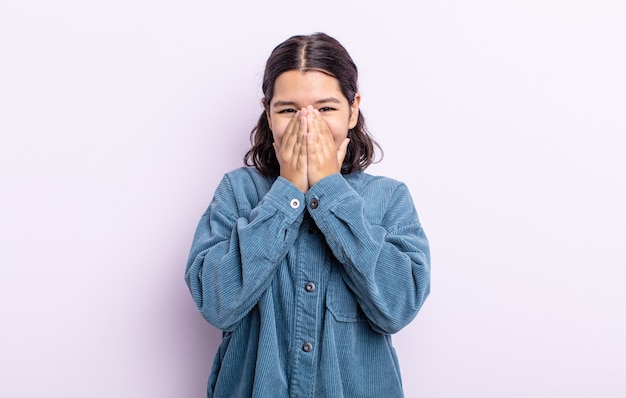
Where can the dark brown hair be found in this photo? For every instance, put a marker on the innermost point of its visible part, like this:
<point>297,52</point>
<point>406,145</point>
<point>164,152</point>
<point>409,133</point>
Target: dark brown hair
<point>313,52</point>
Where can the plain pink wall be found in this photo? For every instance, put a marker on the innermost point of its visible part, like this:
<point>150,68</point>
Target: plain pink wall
<point>118,118</point>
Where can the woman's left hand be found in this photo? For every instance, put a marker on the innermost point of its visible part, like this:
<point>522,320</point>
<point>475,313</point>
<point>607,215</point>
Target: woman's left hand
<point>324,158</point>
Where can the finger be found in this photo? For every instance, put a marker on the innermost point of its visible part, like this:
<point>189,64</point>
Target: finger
<point>298,128</point>
<point>297,141</point>
<point>291,130</point>
<point>291,153</point>
<point>285,147</point>
<point>323,137</point>
<point>341,152</point>
<point>303,153</point>
<point>293,140</point>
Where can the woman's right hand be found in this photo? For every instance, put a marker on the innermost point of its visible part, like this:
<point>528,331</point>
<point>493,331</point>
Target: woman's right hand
<point>291,151</point>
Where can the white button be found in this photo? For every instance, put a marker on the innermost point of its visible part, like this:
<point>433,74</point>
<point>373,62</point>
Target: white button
<point>295,203</point>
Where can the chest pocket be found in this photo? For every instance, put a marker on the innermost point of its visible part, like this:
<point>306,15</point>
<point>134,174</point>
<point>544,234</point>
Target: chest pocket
<point>340,300</point>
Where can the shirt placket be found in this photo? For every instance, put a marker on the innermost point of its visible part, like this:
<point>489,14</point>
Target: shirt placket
<point>311,256</point>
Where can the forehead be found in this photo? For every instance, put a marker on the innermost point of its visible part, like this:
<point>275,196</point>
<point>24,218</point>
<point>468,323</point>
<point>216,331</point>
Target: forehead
<point>306,87</point>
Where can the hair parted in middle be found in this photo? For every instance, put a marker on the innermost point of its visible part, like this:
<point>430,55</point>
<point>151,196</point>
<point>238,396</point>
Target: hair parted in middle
<point>316,52</point>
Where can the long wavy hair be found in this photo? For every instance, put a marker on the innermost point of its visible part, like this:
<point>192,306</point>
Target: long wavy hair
<point>322,53</point>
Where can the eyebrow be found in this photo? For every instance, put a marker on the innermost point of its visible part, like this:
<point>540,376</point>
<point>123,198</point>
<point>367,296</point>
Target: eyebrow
<point>321,101</point>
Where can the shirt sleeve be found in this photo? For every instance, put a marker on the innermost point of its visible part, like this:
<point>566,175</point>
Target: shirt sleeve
<point>235,252</point>
<point>386,265</point>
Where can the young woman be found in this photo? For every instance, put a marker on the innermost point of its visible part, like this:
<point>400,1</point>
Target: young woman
<point>306,263</point>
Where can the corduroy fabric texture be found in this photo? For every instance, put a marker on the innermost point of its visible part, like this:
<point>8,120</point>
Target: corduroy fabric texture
<point>308,288</point>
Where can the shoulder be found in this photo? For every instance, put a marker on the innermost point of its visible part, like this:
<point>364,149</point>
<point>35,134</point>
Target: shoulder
<point>245,173</point>
<point>387,201</point>
<point>244,187</point>
<point>365,183</point>
<point>247,178</point>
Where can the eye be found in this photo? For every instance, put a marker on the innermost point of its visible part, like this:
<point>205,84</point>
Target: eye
<point>327,109</point>
<point>288,110</point>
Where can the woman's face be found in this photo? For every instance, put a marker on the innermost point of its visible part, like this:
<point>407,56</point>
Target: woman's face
<point>294,90</point>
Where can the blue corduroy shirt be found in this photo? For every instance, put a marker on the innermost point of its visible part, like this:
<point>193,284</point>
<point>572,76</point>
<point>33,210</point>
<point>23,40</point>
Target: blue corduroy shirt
<point>308,288</point>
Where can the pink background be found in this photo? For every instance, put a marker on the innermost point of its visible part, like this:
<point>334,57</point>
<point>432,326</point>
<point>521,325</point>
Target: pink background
<point>506,120</point>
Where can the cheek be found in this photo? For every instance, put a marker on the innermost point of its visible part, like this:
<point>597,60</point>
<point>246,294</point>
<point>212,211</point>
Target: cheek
<point>340,134</point>
<point>339,129</point>
<point>278,129</point>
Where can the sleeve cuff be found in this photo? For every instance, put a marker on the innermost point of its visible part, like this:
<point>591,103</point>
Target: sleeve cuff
<point>286,197</point>
<point>327,193</point>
